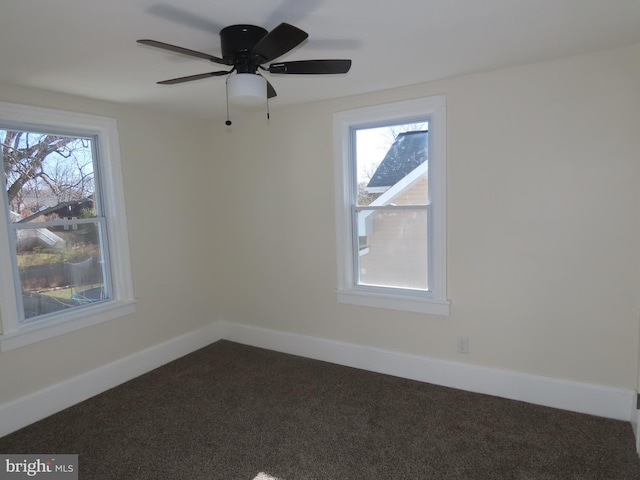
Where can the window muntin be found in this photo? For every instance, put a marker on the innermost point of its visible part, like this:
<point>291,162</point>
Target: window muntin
<point>411,270</point>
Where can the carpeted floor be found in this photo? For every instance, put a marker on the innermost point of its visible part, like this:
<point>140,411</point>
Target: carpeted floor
<point>233,412</point>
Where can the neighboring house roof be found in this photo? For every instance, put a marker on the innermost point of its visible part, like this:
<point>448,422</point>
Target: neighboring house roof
<point>365,225</point>
<point>64,209</point>
<point>404,175</point>
<point>409,150</point>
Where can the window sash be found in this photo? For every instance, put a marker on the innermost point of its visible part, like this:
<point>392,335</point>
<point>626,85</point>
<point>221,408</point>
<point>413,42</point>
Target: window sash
<point>105,260</point>
<point>356,258</point>
<point>109,205</point>
<point>433,110</point>
<point>99,220</point>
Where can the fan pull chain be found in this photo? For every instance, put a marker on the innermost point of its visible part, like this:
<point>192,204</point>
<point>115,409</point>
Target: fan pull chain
<point>268,115</point>
<point>226,87</point>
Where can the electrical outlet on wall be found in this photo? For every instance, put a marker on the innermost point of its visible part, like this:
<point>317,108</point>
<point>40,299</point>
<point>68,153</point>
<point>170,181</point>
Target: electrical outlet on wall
<point>463,344</point>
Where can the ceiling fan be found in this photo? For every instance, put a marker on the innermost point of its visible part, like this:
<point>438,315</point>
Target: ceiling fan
<point>245,48</point>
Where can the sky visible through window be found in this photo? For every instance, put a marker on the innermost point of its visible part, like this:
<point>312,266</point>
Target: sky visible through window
<point>44,169</point>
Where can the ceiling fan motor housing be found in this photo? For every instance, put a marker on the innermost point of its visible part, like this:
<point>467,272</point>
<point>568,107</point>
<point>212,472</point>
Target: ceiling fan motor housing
<point>237,41</point>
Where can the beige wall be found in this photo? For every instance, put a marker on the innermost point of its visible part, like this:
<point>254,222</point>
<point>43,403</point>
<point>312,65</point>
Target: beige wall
<point>543,232</point>
<point>163,158</point>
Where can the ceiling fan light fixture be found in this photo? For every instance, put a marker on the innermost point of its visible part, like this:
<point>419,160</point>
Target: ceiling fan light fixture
<point>247,90</point>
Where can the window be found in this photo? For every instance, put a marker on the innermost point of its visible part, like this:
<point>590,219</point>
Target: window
<point>390,205</point>
<point>63,235</point>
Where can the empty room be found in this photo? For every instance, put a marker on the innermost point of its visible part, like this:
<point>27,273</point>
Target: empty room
<point>316,239</point>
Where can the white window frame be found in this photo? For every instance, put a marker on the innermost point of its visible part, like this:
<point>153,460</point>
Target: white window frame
<point>432,109</point>
<point>122,302</point>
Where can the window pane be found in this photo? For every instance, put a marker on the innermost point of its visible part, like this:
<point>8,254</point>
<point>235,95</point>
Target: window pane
<point>60,267</point>
<point>393,248</point>
<point>389,160</point>
<point>47,176</point>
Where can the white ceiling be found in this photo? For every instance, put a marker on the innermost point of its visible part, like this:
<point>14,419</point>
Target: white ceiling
<point>88,47</point>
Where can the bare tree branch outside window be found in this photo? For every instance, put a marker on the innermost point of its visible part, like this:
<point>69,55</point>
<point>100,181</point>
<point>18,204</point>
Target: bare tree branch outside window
<point>45,169</point>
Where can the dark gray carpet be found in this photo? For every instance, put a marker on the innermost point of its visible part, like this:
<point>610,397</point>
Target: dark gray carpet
<point>230,411</point>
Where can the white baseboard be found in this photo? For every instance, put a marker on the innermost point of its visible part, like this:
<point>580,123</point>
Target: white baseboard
<point>564,394</point>
<point>36,406</point>
<point>635,423</point>
<point>569,395</point>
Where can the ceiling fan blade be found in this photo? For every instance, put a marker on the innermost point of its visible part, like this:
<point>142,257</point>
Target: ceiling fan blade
<point>311,67</point>
<point>271,92</point>
<point>184,51</point>
<point>279,41</point>
<point>191,78</point>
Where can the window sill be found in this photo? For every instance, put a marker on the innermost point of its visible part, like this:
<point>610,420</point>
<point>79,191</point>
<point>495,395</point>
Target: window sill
<point>85,317</point>
<point>408,303</point>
